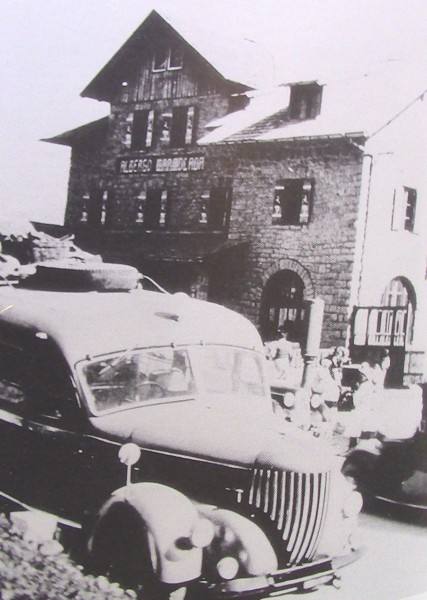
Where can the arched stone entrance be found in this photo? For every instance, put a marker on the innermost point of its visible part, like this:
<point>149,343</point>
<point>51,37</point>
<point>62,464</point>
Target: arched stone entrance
<point>282,305</point>
<point>286,283</point>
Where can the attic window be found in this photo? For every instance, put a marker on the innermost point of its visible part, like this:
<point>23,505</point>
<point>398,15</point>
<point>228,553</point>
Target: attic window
<point>305,101</point>
<point>168,58</point>
<point>176,57</point>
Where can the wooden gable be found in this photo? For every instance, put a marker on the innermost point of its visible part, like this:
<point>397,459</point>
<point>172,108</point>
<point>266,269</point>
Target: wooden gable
<point>135,73</point>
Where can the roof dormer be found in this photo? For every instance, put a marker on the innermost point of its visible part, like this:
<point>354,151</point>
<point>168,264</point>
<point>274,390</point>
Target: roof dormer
<point>305,100</point>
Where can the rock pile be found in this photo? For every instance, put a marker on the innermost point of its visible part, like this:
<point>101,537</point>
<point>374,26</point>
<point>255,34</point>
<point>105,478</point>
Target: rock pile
<point>33,571</point>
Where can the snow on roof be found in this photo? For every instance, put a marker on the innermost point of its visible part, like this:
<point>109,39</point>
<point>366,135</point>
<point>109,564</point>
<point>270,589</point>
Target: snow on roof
<point>352,104</point>
<point>262,105</point>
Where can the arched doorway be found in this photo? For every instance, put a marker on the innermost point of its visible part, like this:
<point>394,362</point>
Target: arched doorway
<point>400,293</point>
<point>282,305</point>
<point>388,327</point>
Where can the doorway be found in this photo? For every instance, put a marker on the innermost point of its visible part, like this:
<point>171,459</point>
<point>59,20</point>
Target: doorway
<point>387,328</point>
<point>282,306</point>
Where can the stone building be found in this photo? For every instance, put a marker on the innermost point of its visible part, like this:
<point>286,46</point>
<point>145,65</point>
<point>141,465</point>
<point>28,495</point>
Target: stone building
<point>260,199</point>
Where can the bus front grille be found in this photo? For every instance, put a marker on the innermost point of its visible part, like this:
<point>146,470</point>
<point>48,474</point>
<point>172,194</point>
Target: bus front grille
<point>295,504</point>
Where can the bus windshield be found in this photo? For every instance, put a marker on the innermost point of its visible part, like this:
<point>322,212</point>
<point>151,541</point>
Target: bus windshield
<point>137,377</point>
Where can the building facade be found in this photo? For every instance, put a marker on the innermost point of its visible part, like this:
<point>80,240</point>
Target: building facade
<point>257,200</point>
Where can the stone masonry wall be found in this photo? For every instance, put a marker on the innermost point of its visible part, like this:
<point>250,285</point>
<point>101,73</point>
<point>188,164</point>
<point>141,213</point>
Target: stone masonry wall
<point>322,251</point>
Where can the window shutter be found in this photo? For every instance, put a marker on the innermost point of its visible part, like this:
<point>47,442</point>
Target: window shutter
<point>140,210</point>
<point>189,130</point>
<point>277,204</point>
<point>203,214</point>
<point>129,131</point>
<point>410,208</point>
<point>307,190</point>
<point>104,207</point>
<point>163,208</point>
<point>150,127</point>
<point>417,217</point>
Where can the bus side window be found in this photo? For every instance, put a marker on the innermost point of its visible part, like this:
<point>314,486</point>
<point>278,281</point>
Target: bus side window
<point>12,367</point>
<point>48,388</point>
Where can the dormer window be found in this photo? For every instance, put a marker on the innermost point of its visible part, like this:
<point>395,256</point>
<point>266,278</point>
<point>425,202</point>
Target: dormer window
<point>305,101</point>
<point>237,102</point>
<point>168,58</point>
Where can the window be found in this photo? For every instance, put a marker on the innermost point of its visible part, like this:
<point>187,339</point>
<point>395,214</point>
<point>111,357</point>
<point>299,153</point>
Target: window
<point>83,207</point>
<point>137,377</point>
<point>160,62</point>
<point>410,205</point>
<point>175,128</point>
<point>404,209</point>
<point>183,126</point>
<point>12,376</point>
<point>215,208</point>
<point>305,101</point>
<point>400,293</point>
<point>155,209</point>
<point>176,57</point>
<point>163,208</point>
<point>168,58</point>
<point>142,129</point>
<point>49,391</point>
<point>292,202</point>
<point>227,370</point>
<point>97,208</point>
<point>35,381</point>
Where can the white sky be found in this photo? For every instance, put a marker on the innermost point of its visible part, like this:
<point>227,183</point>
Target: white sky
<point>53,48</point>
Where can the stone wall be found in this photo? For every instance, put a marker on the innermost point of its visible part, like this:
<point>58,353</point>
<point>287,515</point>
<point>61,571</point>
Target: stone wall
<point>321,252</point>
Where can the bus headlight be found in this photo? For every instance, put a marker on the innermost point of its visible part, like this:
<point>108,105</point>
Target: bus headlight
<point>227,567</point>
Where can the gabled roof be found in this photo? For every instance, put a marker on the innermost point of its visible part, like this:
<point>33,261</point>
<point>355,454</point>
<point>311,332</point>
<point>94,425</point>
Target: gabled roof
<point>212,48</point>
<point>355,105</point>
